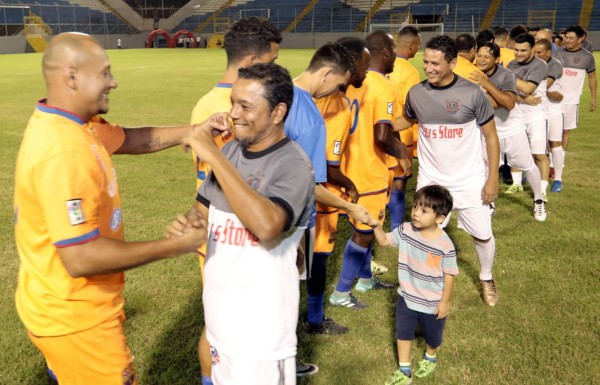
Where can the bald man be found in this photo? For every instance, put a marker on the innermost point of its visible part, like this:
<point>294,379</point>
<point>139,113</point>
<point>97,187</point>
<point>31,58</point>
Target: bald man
<point>68,221</point>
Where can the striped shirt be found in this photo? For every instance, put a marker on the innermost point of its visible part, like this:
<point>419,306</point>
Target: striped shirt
<point>422,264</point>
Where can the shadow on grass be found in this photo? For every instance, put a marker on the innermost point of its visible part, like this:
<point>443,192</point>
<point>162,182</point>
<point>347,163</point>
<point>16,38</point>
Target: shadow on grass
<point>174,360</point>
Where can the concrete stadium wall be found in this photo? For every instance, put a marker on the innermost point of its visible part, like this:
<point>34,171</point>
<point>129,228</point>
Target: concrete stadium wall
<point>18,44</point>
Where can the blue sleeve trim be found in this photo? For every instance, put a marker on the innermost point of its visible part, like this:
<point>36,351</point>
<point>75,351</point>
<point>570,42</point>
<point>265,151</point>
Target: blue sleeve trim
<point>78,240</point>
<point>333,163</point>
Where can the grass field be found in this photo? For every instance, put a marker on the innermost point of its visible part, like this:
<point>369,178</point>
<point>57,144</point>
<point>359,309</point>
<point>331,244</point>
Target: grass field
<point>542,331</point>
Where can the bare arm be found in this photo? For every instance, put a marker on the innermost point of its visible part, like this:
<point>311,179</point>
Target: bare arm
<point>555,96</point>
<point>145,140</point>
<point>387,140</point>
<point>593,87</point>
<point>500,98</point>
<point>380,236</point>
<point>356,211</point>
<point>526,87</point>
<point>403,123</point>
<point>490,189</point>
<point>444,305</point>
<point>335,177</point>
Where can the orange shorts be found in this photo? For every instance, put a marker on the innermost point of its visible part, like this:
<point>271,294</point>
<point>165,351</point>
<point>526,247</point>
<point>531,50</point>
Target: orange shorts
<point>98,356</point>
<point>326,231</point>
<point>375,205</point>
<point>406,136</point>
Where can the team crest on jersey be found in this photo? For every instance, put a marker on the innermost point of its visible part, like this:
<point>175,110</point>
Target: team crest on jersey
<point>576,59</point>
<point>390,108</point>
<point>129,375</point>
<point>214,355</point>
<point>115,219</point>
<point>254,182</point>
<point>337,147</point>
<point>75,212</point>
<point>453,106</point>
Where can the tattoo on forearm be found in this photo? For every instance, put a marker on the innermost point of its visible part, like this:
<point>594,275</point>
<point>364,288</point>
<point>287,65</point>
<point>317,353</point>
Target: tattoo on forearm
<point>156,143</point>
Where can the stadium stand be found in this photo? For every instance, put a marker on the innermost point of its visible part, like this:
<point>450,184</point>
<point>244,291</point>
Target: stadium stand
<point>512,12</point>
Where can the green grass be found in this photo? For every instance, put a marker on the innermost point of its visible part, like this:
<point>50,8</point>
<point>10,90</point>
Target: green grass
<point>542,331</point>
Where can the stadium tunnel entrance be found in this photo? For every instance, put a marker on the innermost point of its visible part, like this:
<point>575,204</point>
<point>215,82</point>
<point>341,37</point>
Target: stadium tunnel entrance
<point>185,32</point>
<point>152,42</point>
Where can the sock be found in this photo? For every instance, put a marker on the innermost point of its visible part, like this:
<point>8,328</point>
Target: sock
<point>405,368</point>
<point>206,380</point>
<point>517,177</point>
<point>544,186</point>
<point>315,309</point>
<point>430,358</point>
<point>396,208</point>
<point>365,271</point>
<point>485,253</point>
<point>354,256</point>
<point>535,181</point>
<point>365,281</point>
<point>558,154</point>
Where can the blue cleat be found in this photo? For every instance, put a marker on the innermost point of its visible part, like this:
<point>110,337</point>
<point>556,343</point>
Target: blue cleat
<point>556,186</point>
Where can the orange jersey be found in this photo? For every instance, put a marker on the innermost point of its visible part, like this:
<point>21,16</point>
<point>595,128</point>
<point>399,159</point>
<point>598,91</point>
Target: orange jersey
<point>216,100</point>
<point>373,103</point>
<point>464,68</point>
<point>112,136</point>
<point>506,56</point>
<point>66,193</point>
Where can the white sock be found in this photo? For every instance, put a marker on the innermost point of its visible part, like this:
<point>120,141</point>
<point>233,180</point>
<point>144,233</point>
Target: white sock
<point>535,180</point>
<point>517,177</point>
<point>544,186</point>
<point>558,154</point>
<point>486,252</point>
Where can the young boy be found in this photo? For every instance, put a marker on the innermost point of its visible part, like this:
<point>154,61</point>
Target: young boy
<point>426,270</point>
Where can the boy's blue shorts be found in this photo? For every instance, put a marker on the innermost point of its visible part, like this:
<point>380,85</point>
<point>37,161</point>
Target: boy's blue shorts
<point>407,320</point>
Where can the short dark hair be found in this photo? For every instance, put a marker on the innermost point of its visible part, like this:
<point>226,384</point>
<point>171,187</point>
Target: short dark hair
<point>251,35</point>
<point>525,38</point>
<point>465,42</point>
<point>436,197</point>
<point>557,36</point>
<point>408,30</point>
<point>577,30</point>
<point>444,44</point>
<point>535,29</point>
<point>276,80</point>
<point>484,36</point>
<point>500,32</point>
<point>494,49</point>
<point>516,31</point>
<point>545,43</point>
<point>355,47</point>
<point>378,41</point>
<point>334,55</point>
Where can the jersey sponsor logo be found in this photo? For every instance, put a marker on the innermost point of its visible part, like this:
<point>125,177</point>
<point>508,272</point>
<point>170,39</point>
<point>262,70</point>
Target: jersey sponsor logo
<point>129,375</point>
<point>570,72</point>
<point>232,235</point>
<point>75,212</point>
<point>254,181</point>
<point>452,106</point>
<point>337,147</point>
<point>390,108</point>
<point>115,219</point>
<point>442,132</point>
<point>214,356</point>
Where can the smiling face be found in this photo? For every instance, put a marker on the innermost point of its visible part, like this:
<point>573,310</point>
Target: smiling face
<point>94,81</point>
<point>253,119</point>
<point>523,52</point>
<point>540,51</point>
<point>486,60</point>
<point>436,68</point>
<point>571,41</point>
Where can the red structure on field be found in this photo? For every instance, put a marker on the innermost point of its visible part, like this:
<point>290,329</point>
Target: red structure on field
<point>158,32</point>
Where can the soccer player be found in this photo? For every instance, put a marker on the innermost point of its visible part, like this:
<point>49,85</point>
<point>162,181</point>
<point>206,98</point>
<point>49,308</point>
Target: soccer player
<point>500,85</point>
<point>404,76</point>
<point>466,55</point>
<point>551,100</point>
<point>452,114</point>
<point>338,121</point>
<point>248,41</point>
<point>545,33</point>
<point>68,221</point>
<point>365,163</point>
<point>257,199</point>
<point>531,73</point>
<point>576,63</point>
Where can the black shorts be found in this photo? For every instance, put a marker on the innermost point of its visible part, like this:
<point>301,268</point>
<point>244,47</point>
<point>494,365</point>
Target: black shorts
<point>407,320</point>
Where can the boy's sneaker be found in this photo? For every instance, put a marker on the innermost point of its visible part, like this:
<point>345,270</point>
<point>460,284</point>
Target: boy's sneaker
<point>305,370</point>
<point>399,378</point>
<point>556,186</point>
<point>489,293</point>
<point>377,268</point>
<point>539,210</point>
<point>374,284</point>
<point>328,326</point>
<point>514,188</point>
<point>348,301</point>
<point>426,367</point>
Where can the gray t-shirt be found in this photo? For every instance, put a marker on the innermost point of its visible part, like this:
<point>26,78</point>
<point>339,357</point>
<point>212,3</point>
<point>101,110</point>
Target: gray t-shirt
<point>508,123</point>
<point>575,66</point>
<point>535,71</point>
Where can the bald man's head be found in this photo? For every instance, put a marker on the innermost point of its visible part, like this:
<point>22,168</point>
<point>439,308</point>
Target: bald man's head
<point>382,47</point>
<point>77,74</point>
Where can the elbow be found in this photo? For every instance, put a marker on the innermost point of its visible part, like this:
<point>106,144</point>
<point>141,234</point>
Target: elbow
<point>268,233</point>
<point>75,270</point>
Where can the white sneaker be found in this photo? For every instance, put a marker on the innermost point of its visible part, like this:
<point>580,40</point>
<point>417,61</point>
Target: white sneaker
<point>539,210</point>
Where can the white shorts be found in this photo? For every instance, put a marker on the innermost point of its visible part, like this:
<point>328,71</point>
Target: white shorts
<point>536,132</point>
<point>555,128</point>
<point>245,371</point>
<point>518,151</point>
<point>570,116</point>
<point>472,215</point>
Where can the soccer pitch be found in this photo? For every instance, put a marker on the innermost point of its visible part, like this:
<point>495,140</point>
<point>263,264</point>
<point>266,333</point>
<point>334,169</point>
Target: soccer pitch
<point>542,330</point>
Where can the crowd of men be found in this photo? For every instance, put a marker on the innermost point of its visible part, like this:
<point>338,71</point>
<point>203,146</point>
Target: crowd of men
<point>277,160</point>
